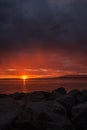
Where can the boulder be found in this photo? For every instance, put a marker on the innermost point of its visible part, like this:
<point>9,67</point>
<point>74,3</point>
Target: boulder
<point>74,92</point>
<point>9,110</point>
<point>77,95</point>
<point>44,115</point>
<point>57,93</point>
<point>18,96</point>
<point>37,96</point>
<point>3,96</point>
<point>73,98</point>
<point>84,92</point>
<point>79,116</point>
<point>60,90</point>
<point>67,101</point>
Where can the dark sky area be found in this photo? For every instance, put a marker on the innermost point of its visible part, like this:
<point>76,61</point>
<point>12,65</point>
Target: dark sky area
<point>50,34</point>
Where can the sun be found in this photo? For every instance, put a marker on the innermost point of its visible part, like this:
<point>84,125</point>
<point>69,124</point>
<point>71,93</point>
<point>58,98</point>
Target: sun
<point>24,77</point>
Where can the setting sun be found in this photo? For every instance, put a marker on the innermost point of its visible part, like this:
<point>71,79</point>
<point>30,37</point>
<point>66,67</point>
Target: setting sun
<point>24,77</point>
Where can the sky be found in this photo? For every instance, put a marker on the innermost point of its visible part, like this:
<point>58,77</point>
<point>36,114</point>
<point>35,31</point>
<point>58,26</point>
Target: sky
<point>43,37</point>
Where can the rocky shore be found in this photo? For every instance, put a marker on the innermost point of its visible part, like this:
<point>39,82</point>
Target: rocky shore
<point>56,110</point>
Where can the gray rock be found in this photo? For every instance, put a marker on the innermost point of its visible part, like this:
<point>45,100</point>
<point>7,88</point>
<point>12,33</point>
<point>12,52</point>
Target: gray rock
<point>67,101</point>
<point>3,95</point>
<point>45,115</point>
<point>37,96</point>
<point>60,90</point>
<point>9,110</point>
<point>77,95</point>
<point>79,116</point>
<point>74,92</point>
<point>57,93</point>
<point>84,92</point>
<point>18,96</point>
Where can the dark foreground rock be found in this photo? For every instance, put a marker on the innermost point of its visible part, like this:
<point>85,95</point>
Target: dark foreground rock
<point>45,115</point>
<point>79,116</point>
<point>60,92</point>
<point>37,96</point>
<point>57,110</point>
<point>3,96</point>
<point>9,110</point>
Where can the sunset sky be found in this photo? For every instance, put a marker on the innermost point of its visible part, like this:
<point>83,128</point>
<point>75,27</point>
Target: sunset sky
<point>43,38</point>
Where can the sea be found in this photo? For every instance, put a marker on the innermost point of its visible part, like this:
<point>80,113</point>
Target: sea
<point>9,86</point>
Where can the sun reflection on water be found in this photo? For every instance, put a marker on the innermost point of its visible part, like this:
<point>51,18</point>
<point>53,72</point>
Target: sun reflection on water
<point>24,77</point>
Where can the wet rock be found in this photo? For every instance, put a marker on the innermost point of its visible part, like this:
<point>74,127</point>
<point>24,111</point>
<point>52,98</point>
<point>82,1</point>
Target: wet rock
<point>45,115</point>
<point>9,110</point>
<point>79,116</point>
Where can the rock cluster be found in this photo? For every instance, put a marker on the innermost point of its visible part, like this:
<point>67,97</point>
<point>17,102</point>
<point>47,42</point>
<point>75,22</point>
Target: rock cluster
<point>56,110</point>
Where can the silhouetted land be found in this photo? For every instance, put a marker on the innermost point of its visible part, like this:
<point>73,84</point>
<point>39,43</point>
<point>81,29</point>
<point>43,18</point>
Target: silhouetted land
<point>39,110</point>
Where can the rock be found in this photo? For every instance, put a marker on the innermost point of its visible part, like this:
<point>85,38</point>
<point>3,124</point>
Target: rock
<point>84,92</point>
<point>67,101</point>
<point>21,126</point>
<point>9,110</point>
<point>60,90</point>
<point>44,115</point>
<point>77,95</point>
<point>71,99</point>
<point>3,96</point>
<point>57,93</point>
<point>18,96</point>
<point>79,116</point>
<point>37,96</point>
<point>44,110</point>
<point>32,97</point>
<point>74,92</point>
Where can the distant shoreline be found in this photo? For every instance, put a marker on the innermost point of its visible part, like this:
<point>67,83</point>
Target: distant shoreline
<point>72,77</point>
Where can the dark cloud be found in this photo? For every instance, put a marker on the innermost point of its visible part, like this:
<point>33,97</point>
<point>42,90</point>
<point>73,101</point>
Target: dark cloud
<point>45,24</point>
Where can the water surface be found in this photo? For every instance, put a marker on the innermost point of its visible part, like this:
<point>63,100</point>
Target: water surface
<point>9,86</point>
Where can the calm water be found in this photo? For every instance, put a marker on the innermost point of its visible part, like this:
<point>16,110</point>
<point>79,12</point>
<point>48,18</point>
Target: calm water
<point>12,86</point>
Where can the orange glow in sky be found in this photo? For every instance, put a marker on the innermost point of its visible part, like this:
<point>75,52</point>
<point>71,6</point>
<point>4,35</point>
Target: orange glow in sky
<point>35,73</point>
<point>39,64</point>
